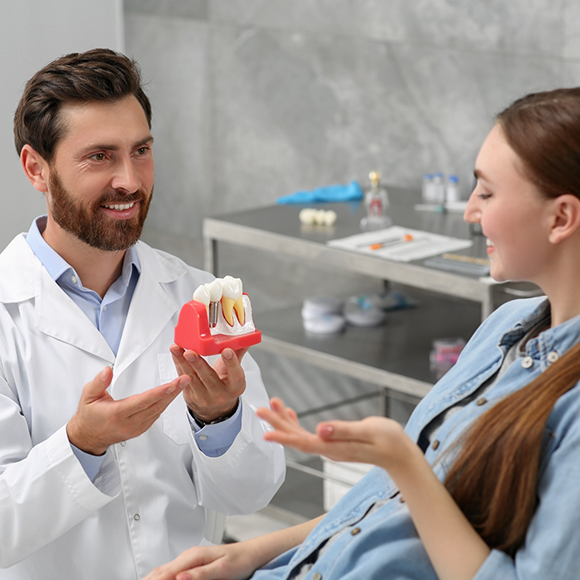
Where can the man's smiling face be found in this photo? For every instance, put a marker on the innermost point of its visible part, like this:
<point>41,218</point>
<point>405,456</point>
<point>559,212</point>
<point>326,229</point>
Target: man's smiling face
<point>101,178</point>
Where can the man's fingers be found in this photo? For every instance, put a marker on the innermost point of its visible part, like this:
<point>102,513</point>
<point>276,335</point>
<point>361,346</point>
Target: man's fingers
<point>96,388</point>
<point>207,376</point>
<point>154,401</point>
<point>181,364</point>
<point>232,364</point>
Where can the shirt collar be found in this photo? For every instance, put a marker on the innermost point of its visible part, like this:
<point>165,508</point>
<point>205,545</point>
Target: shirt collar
<point>57,266</point>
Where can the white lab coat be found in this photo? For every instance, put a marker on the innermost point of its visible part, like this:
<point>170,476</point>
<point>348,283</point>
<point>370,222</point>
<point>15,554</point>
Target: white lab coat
<point>148,500</point>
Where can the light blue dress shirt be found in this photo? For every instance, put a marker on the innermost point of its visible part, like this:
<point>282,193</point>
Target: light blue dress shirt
<point>109,314</point>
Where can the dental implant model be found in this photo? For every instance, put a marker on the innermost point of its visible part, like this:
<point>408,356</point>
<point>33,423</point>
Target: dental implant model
<point>218,317</point>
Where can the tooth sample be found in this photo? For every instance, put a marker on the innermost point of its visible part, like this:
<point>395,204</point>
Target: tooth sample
<point>307,216</point>
<point>330,217</point>
<point>232,299</point>
<point>202,295</point>
<point>319,217</point>
<point>215,294</point>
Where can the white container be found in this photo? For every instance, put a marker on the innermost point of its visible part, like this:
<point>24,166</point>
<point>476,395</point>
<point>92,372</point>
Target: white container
<point>349,473</point>
<point>323,315</point>
<point>438,189</point>
<point>427,188</point>
<point>452,191</point>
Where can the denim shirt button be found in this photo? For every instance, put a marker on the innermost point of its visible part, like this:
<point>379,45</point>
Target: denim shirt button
<point>355,531</point>
<point>553,356</point>
<point>527,362</point>
<point>317,576</point>
<point>435,444</point>
<point>481,401</point>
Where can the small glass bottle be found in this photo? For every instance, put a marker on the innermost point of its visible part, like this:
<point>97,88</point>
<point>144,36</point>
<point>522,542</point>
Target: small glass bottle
<point>427,188</point>
<point>377,203</point>
<point>452,192</point>
<point>438,189</point>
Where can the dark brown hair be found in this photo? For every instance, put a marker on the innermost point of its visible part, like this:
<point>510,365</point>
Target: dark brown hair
<point>96,75</point>
<point>494,478</point>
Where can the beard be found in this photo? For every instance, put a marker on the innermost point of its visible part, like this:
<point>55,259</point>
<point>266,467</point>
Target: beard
<point>91,225</point>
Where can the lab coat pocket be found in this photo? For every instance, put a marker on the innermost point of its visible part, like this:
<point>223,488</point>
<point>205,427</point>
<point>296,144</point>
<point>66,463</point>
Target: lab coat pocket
<point>175,423</point>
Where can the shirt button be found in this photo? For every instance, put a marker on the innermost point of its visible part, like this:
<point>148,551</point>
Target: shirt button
<point>435,444</point>
<point>527,362</point>
<point>481,401</point>
<point>136,517</point>
<point>317,576</point>
<point>123,443</point>
<point>203,437</point>
<point>104,308</point>
<point>402,499</point>
<point>355,531</point>
<point>73,279</point>
<point>553,356</point>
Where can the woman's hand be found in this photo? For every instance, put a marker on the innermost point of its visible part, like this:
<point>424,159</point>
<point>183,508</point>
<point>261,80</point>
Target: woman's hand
<point>376,440</point>
<point>224,562</point>
<point>233,561</point>
<point>454,547</point>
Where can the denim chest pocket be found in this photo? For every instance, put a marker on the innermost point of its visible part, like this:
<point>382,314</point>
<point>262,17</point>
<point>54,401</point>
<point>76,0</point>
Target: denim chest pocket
<point>175,423</point>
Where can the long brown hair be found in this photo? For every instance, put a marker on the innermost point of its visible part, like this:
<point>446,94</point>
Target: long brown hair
<point>494,478</point>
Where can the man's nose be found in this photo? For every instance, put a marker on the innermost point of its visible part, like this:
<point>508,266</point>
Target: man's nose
<point>126,177</point>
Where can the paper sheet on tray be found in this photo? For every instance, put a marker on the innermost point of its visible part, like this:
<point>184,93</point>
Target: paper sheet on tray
<point>401,244</point>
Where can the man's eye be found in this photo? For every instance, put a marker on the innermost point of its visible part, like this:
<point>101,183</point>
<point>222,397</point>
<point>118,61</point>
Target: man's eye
<point>142,150</point>
<point>98,156</point>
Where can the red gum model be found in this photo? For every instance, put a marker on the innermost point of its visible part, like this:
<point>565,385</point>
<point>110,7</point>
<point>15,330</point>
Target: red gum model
<point>192,333</point>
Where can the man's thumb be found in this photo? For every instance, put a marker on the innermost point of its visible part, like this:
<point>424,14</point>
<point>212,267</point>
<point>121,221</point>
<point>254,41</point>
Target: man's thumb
<point>96,388</point>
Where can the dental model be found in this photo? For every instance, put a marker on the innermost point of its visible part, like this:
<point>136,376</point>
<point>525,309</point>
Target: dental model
<point>219,316</point>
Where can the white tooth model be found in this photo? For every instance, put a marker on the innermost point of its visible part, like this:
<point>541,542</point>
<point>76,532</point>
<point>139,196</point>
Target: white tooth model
<point>229,310</point>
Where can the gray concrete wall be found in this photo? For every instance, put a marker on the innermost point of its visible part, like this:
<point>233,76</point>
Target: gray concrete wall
<point>32,33</point>
<point>254,99</point>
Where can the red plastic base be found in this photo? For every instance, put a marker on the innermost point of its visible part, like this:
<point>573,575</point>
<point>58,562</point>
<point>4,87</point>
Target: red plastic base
<point>192,333</point>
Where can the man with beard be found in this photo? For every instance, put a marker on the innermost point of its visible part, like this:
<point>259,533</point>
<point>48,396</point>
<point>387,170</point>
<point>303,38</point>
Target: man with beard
<point>109,480</point>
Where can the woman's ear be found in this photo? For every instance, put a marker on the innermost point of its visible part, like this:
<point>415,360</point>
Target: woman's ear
<point>35,168</point>
<point>566,218</point>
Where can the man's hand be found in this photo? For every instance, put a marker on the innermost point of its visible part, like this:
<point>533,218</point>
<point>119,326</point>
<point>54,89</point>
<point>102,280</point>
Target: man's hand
<point>100,421</point>
<point>212,392</point>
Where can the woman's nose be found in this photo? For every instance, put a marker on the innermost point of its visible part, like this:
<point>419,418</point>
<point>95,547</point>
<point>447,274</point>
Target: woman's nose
<point>472,213</point>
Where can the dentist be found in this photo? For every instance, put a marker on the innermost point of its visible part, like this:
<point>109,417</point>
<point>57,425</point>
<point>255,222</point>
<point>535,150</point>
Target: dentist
<point>104,473</point>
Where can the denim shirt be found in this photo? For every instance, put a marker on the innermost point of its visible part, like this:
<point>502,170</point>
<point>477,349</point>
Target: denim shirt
<point>385,545</point>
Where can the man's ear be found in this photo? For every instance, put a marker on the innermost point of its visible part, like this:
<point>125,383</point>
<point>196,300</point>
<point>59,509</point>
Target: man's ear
<point>566,217</point>
<point>35,168</point>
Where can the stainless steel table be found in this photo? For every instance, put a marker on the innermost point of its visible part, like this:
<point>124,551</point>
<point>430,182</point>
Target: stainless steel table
<point>394,356</point>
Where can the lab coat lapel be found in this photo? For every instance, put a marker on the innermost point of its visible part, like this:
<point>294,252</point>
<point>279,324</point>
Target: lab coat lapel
<point>56,315</point>
<point>151,307</point>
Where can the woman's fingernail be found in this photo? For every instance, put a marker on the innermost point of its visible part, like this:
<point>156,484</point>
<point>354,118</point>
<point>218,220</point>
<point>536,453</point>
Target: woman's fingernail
<point>326,430</point>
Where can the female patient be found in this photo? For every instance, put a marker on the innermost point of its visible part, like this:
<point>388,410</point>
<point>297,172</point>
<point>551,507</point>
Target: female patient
<point>484,482</point>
